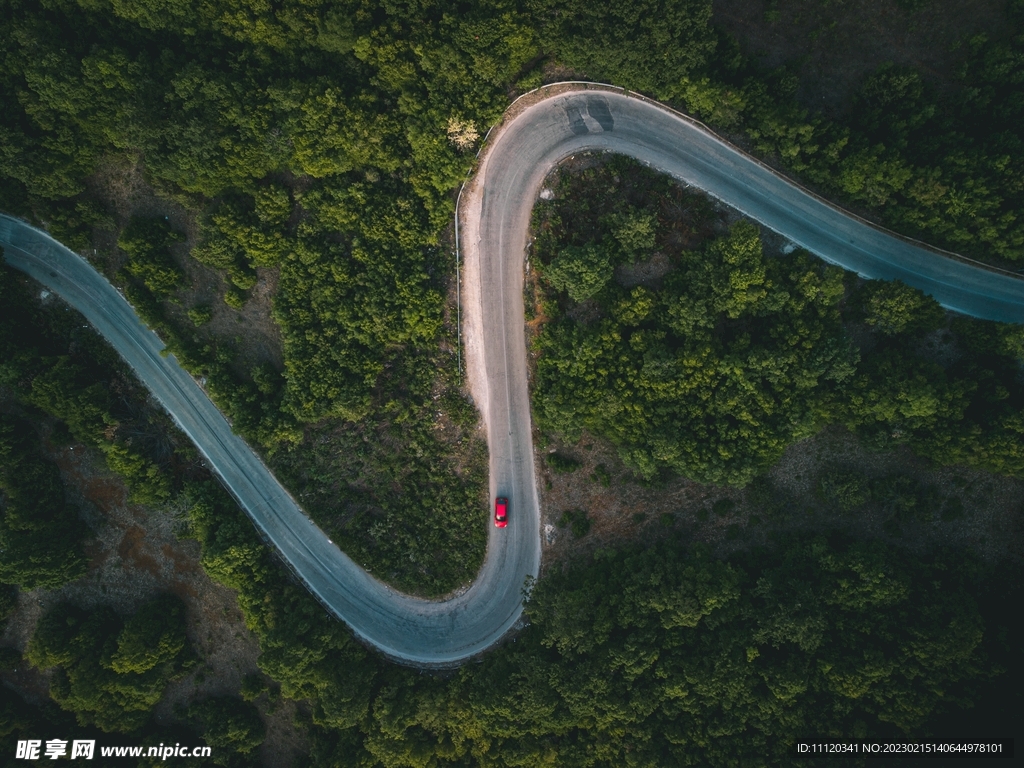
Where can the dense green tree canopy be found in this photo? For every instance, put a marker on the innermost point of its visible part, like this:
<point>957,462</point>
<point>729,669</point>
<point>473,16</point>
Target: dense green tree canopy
<point>937,167</point>
<point>893,308</point>
<point>712,375</point>
<point>40,533</point>
<point>342,180</point>
<point>325,141</point>
<point>230,726</point>
<point>153,637</point>
<point>145,241</point>
<point>647,657</point>
<point>111,672</point>
<point>580,271</point>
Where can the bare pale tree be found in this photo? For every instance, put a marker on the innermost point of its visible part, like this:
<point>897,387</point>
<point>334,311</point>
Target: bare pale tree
<point>462,133</point>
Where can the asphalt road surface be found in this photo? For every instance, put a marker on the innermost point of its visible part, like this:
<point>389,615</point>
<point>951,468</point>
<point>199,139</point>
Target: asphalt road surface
<point>496,216</point>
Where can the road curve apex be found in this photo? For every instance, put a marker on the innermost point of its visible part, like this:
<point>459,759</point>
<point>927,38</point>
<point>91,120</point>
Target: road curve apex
<point>600,117</point>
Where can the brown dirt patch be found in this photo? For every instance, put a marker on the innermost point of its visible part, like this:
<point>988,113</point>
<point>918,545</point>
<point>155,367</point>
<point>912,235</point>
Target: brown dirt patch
<point>993,504</point>
<point>119,184</point>
<point>626,511</point>
<point>992,524</point>
<point>252,329</point>
<point>645,272</point>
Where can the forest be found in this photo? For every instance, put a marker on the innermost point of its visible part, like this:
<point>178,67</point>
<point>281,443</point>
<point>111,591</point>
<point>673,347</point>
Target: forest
<point>323,143</point>
<point>728,356</point>
<point>642,657</point>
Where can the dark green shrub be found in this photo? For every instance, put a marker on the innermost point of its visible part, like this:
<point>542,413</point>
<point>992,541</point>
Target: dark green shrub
<point>904,498</point>
<point>254,685</point>
<point>770,501</point>
<point>40,533</point>
<point>145,241</point>
<point>562,464</point>
<point>892,308</point>
<point>10,659</point>
<point>235,297</point>
<point>228,724</point>
<point>601,476</point>
<point>580,271</point>
<point>843,489</point>
<point>896,495</point>
<point>635,232</point>
<point>200,315</point>
<point>577,521</point>
<point>892,527</point>
<point>8,601</point>
<point>109,671</point>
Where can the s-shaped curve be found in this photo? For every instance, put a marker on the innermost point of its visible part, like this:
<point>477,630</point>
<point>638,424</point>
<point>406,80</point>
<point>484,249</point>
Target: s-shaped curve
<point>494,220</point>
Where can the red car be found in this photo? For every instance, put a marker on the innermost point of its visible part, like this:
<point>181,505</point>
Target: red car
<point>500,512</point>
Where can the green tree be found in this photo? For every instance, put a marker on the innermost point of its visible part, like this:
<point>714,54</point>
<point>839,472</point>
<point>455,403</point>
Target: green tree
<point>146,243</point>
<point>8,603</point>
<point>893,308</point>
<point>147,483</point>
<point>154,637</point>
<point>844,489</point>
<point>88,648</point>
<point>200,315</point>
<point>40,533</point>
<point>613,42</point>
<point>229,724</point>
<point>710,376</point>
<point>635,233</point>
<point>64,391</point>
<point>898,393</point>
<point>580,271</point>
<point>873,175</point>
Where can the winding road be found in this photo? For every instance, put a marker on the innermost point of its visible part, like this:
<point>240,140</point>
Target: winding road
<point>494,218</point>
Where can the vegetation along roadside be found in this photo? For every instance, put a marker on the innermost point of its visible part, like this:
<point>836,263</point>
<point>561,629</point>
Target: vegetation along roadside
<point>305,157</point>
